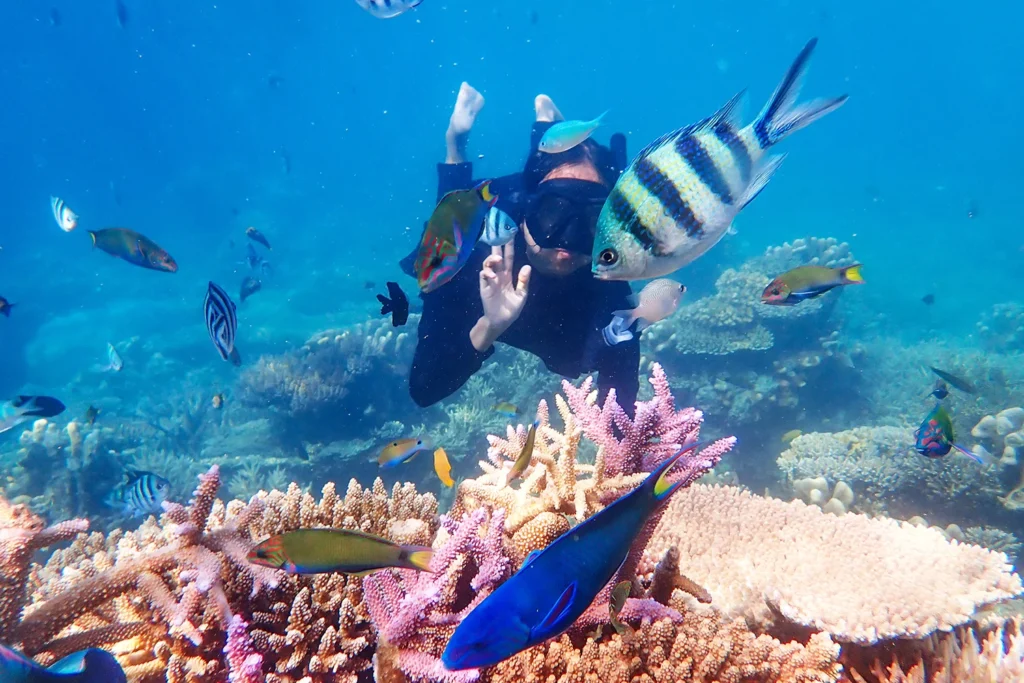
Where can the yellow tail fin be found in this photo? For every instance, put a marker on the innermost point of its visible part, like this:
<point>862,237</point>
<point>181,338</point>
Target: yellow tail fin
<point>419,557</point>
<point>851,274</point>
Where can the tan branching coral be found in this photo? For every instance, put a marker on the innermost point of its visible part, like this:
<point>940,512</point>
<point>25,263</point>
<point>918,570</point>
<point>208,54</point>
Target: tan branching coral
<point>859,579</point>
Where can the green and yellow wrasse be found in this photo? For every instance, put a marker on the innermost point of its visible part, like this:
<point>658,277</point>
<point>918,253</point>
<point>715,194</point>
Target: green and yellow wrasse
<point>443,468</point>
<point>615,604</point>
<point>134,248</point>
<point>505,408</point>
<point>451,235</point>
<point>399,451</point>
<point>809,282</point>
<point>679,197</point>
<point>523,461</point>
<point>790,435</point>
<point>316,551</point>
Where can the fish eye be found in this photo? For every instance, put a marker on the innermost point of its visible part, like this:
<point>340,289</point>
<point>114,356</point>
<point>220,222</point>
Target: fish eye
<point>436,261</point>
<point>775,291</point>
<point>260,552</point>
<point>608,257</point>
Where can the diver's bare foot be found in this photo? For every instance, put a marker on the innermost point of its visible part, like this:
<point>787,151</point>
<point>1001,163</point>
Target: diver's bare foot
<point>546,110</point>
<point>467,105</point>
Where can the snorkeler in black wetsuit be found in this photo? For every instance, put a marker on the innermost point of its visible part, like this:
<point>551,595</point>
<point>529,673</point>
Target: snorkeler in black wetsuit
<point>548,303</point>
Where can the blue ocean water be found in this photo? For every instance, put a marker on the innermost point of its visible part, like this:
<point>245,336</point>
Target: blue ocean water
<point>321,125</point>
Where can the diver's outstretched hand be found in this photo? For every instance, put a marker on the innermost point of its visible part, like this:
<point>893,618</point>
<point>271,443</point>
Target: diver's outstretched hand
<point>503,301</point>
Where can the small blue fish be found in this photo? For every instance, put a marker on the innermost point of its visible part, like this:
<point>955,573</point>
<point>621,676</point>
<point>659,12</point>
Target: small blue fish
<point>934,438</point>
<point>143,493</point>
<point>556,585</point>
<point>565,135</point>
<point>88,666</point>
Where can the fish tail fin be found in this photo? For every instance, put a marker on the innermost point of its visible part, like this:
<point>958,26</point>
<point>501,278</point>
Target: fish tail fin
<point>417,557</point>
<point>92,236</point>
<point>661,487</point>
<point>782,115</point>
<point>970,454</point>
<point>850,275</point>
<point>642,324</point>
<point>600,119</point>
<point>484,190</point>
<point>235,357</point>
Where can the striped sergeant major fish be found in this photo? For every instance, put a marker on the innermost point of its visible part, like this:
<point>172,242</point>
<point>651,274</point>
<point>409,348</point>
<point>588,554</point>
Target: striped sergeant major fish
<point>143,493</point>
<point>681,193</point>
<point>62,213</point>
<point>386,9</point>
<point>221,322</point>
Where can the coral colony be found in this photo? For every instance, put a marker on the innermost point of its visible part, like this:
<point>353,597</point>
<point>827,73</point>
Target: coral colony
<point>725,585</point>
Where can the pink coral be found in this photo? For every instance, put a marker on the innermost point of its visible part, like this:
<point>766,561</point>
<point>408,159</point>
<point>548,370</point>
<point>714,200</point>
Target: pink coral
<point>416,612</point>
<point>244,663</point>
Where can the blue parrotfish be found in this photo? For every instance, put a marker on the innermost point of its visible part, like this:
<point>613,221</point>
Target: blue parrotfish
<point>935,437</point>
<point>557,584</point>
<point>679,197</point>
<point>88,666</point>
<point>565,135</point>
<point>451,234</point>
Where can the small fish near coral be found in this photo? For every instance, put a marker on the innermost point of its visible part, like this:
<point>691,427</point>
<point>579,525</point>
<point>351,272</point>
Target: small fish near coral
<point>809,282</point>
<point>141,494</point>
<point>615,605</point>
<point>557,584</point>
<point>5,307</point>
<point>525,455</point>
<point>387,9</point>
<point>397,305</point>
<point>114,361</point>
<point>451,234</point>
<point>958,383</point>
<point>221,322</point>
<point>505,408</point>
<point>217,401</point>
<point>66,219</point>
<point>940,391</point>
<point>24,408</point>
<point>935,437</point>
<point>400,451</point>
<point>133,247</point>
<point>317,551</point>
<point>87,666</point>
<point>656,301</point>
<point>90,415</point>
<point>257,263</point>
<point>790,435</point>
<point>258,237</point>
<point>564,135</point>
<point>679,196</point>
<point>443,468</point>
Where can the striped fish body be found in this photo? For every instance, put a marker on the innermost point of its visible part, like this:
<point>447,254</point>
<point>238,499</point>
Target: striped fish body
<point>499,228</point>
<point>314,551</point>
<point>114,358</point>
<point>65,217</point>
<point>386,9</point>
<point>678,198</point>
<point>221,322</point>
<point>143,494</point>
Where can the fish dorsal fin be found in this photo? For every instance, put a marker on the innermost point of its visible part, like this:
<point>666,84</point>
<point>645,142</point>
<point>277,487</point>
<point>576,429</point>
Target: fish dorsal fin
<point>530,558</point>
<point>557,613</point>
<point>74,663</point>
<point>729,113</point>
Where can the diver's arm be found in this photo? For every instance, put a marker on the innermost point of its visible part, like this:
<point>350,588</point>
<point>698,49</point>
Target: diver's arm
<point>618,368</point>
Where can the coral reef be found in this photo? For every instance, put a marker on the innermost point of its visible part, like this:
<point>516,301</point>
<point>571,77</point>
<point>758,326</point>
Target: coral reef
<point>1000,436</point>
<point>837,500</point>
<point>886,474</point>
<point>1002,328</point>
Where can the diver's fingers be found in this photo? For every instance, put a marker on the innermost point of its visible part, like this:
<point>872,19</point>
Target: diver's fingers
<point>491,262</point>
<point>510,255</point>
<point>523,287</point>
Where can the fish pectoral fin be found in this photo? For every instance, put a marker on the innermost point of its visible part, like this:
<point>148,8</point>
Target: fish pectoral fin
<point>530,558</point>
<point>549,624</point>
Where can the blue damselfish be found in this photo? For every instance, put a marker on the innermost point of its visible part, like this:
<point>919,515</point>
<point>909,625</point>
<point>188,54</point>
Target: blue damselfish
<point>556,585</point>
<point>88,666</point>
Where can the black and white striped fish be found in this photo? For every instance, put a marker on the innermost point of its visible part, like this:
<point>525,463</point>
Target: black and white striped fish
<point>65,217</point>
<point>681,193</point>
<point>386,9</point>
<point>221,322</point>
<point>499,228</point>
<point>143,493</point>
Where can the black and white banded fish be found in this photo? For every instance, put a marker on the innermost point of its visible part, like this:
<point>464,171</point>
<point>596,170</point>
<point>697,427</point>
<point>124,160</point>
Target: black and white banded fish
<point>65,217</point>
<point>221,322</point>
<point>114,361</point>
<point>499,228</point>
<point>386,9</point>
<point>143,493</point>
<point>681,193</point>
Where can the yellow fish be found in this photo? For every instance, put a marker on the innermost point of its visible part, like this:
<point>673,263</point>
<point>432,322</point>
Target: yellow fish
<point>523,461</point>
<point>505,408</point>
<point>399,451</point>
<point>443,468</point>
<point>790,435</point>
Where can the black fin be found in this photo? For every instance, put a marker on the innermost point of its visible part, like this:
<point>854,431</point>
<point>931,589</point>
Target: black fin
<point>385,304</point>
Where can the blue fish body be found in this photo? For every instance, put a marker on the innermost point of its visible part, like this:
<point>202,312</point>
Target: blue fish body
<point>88,666</point>
<point>556,585</point>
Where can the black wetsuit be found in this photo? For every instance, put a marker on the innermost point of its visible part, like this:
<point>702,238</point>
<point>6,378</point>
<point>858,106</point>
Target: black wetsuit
<point>560,323</point>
